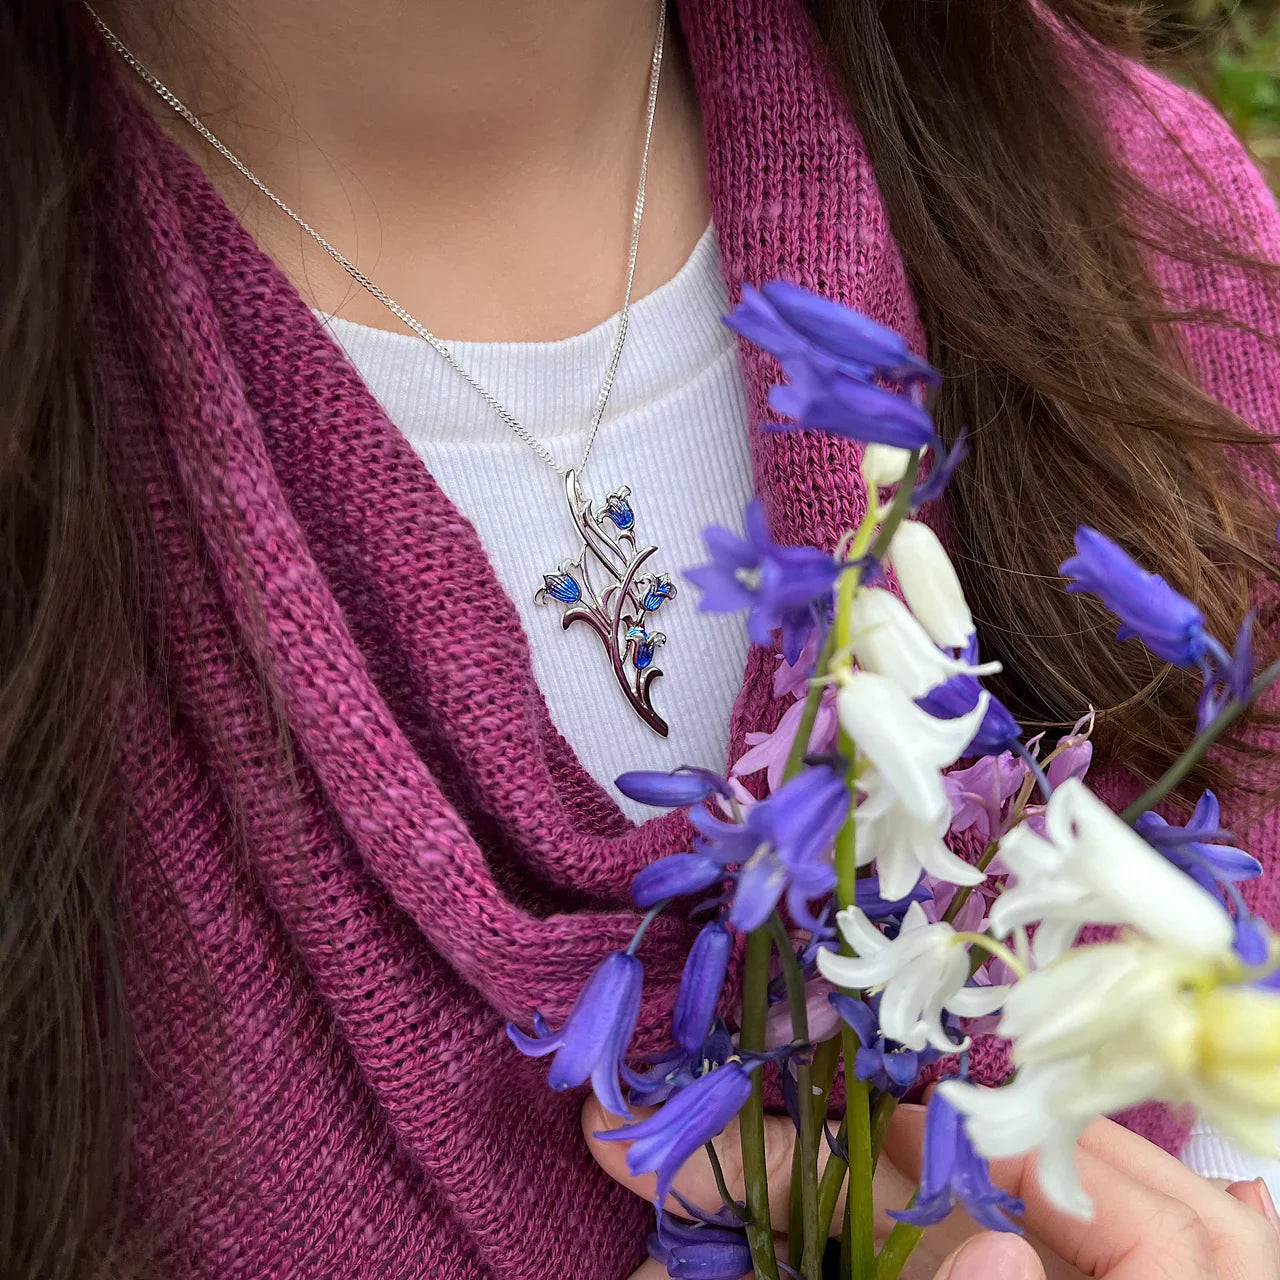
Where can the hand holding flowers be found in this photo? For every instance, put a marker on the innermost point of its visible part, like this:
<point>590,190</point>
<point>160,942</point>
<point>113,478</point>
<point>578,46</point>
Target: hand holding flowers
<point>855,840</point>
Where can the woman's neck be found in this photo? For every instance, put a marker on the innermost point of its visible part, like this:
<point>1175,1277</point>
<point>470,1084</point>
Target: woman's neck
<point>477,158</point>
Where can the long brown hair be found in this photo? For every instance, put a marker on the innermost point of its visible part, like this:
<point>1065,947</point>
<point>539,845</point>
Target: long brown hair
<point>1020,233</point>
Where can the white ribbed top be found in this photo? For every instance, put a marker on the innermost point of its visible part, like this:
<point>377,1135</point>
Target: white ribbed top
<point>675,431</point>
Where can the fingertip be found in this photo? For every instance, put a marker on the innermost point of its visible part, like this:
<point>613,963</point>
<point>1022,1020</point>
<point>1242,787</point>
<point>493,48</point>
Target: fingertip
<point>993,1255</point>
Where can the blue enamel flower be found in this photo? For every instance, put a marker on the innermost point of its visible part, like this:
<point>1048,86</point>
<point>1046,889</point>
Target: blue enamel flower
<point>643,646</point>
<point>836,360</point>
<point>618,509</point>
<point>781,586</point>
<point>686,1122</point>
<point>594,1039</point>
<point>656,589</point>
<point>1200,848</point>
<point>1147,606</point>
<point>561,586</point>
<point>953,1172</point>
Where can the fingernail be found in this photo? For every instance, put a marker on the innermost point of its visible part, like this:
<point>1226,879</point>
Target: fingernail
<point>1268,1205</point>
<point>993,1256</point>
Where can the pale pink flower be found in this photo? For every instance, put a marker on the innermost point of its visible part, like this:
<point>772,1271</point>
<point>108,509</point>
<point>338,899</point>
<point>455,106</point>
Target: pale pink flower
<point>979,793</point>
<point>770,750</point>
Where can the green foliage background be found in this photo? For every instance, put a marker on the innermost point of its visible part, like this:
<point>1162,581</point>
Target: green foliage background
<point>1230,51</point>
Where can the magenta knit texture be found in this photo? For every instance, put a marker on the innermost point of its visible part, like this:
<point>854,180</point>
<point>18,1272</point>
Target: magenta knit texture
<point>325,1085</point>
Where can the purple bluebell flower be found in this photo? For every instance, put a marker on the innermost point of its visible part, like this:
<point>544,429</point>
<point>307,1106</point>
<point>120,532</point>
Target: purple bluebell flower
<point>1147,606</point>
<point>675,876</point>
<point>867,898</point>
<point>1231,680</point>
<point>1200,847</point>
<point>701,985</point>
<point>687,1121</point>
<point>953,1171</point>
<point>834,358</point>
<point>944,467</point>
<point>594,1039</point>
<point>885,1063</point>
<point>1253,946</point>
<point>779,585</point>
<point>707,1250</point>
<point>675,790</point>
<point>674,1070</point>
<point>958,695</point>
<point>781,846</point>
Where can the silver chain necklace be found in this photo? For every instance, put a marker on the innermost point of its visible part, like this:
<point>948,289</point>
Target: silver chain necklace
<point>616,608</point>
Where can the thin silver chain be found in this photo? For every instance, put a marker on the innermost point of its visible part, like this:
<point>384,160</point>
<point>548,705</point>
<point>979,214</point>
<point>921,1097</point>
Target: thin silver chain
<point>516,426</point>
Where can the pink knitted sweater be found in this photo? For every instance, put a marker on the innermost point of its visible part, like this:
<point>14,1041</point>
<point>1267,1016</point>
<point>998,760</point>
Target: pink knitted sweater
<point>320,988</point>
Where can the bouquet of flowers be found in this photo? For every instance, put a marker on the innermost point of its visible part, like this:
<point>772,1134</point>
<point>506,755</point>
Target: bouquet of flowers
<point>890,949</point>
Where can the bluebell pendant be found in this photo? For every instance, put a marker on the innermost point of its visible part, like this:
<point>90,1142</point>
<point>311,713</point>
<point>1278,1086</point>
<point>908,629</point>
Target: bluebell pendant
<point>618,610</point>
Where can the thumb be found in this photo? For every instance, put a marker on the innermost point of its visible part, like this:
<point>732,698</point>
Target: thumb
<point>993,1255</point>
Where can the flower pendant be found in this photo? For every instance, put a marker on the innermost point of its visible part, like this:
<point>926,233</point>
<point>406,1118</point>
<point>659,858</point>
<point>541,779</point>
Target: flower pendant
<point>618,610</point>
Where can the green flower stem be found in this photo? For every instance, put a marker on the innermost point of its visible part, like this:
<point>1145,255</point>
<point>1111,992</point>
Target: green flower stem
<point>895,1251</point>
<point>726,1197</point>
<point>755,1009</point>
<point>810,1259</point>
<point>860,1260</point>
<point>830,1183</point>
<point>1200,745</point>
<point>826,1058</point>
<point>881,1113</point>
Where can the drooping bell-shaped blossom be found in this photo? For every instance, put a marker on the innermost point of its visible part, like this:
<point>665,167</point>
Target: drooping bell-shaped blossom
<point>770,751</point>
<point>1230,680</point>
<point>980,793</point>
<point>953,1173</point>
<point>1200,847</point>
<point>884,1064</point>
<point>689,1119</point>
<point>700,986</point>
<point>834,359</point>
<point>780,586</point>
<point>675,790</point>
<point>903,842</point>
<point>921,973</point>
<point>1147,606</point>
<point>907,746</point>
<point>1092,868</point>
<point>593,1041</point>
<point>700,1250</point>
<point>929,585</point>
<point>997,731</point>
<point>782,847</point>
<point>672,1071</point>
<point>675,876</point>
<point>888,640</point>
<point>1110,1025</point>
